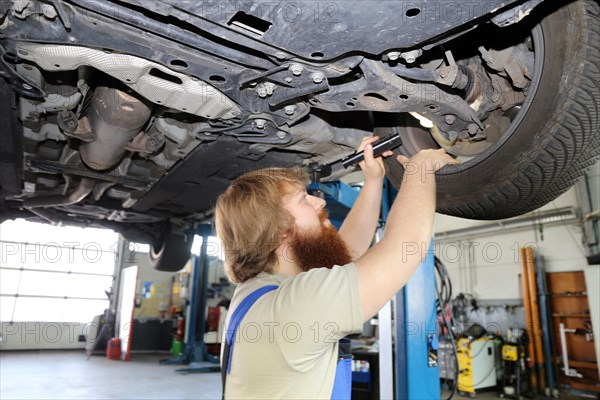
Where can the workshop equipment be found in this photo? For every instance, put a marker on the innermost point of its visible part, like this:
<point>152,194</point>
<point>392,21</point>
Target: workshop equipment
<point>215,325</point>
<point>515,381</point>
<point>572,372</point>
<point>476,364</point>
<point>418,373</point>
<point>446,359</point>
<point>195,353</point>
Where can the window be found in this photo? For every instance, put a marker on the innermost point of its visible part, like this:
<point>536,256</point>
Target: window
<point>54,274</point>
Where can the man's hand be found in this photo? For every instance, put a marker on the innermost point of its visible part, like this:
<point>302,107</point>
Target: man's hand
<point>372,167</point>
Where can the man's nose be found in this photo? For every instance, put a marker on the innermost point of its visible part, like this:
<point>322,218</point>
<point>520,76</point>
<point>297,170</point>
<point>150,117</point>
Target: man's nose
<point>317,202</point>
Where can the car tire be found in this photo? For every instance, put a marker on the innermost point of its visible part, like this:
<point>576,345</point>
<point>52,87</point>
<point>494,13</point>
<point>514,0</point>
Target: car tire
<point>172,253</point>
<point>552,140</point>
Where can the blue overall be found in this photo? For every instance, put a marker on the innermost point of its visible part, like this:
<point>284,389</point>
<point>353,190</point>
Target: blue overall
<point>342,386</point>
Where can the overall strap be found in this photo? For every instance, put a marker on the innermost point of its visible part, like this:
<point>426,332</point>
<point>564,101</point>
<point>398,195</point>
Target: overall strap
<point>342,385</point>
<point>234,322</point>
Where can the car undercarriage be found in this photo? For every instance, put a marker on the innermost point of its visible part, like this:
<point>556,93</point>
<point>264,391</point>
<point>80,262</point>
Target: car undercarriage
<point>136,115</point>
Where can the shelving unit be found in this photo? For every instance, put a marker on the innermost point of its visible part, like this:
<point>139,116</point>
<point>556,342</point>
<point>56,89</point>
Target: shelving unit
<point>569,305</point>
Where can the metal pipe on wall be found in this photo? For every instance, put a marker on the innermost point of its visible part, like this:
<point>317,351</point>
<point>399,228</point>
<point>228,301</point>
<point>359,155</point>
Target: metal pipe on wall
<point>527,305</point>
<point>546,329</point>
<point>535,317</point>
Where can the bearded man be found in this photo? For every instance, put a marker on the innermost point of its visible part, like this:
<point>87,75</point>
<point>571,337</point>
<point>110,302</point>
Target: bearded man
<point>302,285</point>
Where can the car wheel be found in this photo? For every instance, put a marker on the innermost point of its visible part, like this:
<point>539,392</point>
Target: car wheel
<point>172,253</point>
<point>550,139</point>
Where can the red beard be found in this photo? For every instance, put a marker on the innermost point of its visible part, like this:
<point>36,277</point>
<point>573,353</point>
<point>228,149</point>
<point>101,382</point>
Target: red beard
<point>319,247</point>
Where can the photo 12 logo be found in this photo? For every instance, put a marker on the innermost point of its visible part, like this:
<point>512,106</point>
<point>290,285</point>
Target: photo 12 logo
<point>51,252</point>
<point>49,332</point>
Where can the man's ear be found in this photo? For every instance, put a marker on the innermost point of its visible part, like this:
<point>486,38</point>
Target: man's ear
<point>285,236</point>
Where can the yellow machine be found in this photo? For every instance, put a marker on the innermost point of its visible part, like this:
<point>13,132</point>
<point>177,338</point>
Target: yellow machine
<point>476,363</point>
<point>510,352</point>
<point>515,378</point>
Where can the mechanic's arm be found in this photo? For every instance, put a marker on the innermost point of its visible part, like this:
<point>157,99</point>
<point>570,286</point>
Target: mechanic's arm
<point>360,224</point>
<point>387,266</point>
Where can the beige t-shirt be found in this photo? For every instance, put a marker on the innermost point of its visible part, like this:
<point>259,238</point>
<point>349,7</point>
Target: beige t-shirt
<point>286,345</point>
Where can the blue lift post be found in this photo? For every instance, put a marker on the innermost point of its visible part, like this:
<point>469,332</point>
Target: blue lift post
<point>417,375</point>
<point>196,355</point>
<point>417,371</point>
<point>416,367</point>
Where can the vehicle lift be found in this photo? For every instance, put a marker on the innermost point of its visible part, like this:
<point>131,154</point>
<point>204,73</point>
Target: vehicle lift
<point>195,354</point>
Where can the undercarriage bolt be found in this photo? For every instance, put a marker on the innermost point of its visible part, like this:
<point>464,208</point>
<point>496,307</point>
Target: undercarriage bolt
<point>473,129</point>
<point>260,123</point>
<point>281,134</point>
<point>270,86</point>
<point>49,11</point>
<point>280,55</point>
<point>317,77</point>
<point>393,55</point>
<point>296,69</point>
<point>411,56</point>
<point>452,135</point>
<point>289,110</point>
<point>449,118</point>
<point>265,89</point>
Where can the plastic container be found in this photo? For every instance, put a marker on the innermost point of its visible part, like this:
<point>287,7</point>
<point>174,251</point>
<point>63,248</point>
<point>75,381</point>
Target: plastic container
<point>176,347</point>
<point>113,349</point>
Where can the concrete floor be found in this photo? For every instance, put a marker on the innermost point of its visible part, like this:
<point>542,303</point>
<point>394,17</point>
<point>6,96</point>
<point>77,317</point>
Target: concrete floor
<point>70,375</point>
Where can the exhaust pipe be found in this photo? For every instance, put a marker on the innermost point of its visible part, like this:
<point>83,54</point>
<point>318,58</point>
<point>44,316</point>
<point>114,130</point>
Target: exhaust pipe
<point>115,117</point>
<point>45,215</point>
<point>84,188</point>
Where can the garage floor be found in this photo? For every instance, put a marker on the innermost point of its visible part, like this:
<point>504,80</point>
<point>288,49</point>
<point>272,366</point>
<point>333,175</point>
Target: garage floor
<point>69,375</point>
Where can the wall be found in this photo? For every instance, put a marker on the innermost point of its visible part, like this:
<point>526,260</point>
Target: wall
<point>592,282</point>
<point>149,307</point>
<point>594,181</point>
<point>488,266</point>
